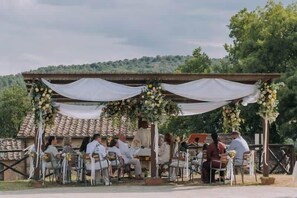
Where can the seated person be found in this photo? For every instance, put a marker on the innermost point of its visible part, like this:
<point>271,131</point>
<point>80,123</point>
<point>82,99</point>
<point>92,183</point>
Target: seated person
<point>67,146</point>
<point>127,156</point>
<point>68,149</point>
<point>179,161</point>
<point>114,147</point>
<point>83,146</point>
<point>50,148</point>
<point>239,145</point>
<point>214,150</point>
<point>199,156</point>
<point>164,150</point>
<point>96,147</point>
<point>142,137</point>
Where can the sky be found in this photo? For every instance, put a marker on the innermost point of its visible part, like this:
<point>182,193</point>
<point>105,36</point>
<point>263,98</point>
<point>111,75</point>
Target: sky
<point>38,33</point>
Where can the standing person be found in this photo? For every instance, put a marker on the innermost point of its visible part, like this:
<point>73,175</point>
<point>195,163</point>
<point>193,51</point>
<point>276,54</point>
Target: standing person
<point>239,145</point>
<point>214,150</point>
<point>127,156</point>
<point>95,147</point>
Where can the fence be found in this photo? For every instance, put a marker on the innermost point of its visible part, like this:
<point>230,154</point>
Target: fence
<point>282,158</point>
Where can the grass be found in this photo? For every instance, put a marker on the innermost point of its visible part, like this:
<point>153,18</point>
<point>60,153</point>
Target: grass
<point>14,185</point>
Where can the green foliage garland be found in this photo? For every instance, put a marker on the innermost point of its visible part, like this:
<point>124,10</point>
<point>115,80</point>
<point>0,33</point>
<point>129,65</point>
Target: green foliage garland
<point>151,106</point>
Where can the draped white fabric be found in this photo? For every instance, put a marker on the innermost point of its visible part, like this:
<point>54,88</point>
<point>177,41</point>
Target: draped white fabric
<point>94,111</point>
<point>210,89</point>
<point>199,108</point>
<point>80,111</point>
<point>94,89</point>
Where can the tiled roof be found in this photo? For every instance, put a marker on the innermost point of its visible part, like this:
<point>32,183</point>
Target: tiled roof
<point>9,144</point>
<point>76,128</point>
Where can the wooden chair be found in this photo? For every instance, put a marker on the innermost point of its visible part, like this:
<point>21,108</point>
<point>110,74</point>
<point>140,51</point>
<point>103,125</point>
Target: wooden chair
<point>222,166</point>
<point>195,167</point>
<point>54,170</point>
<point>116,164</point>
<point>87,160</point>
<point>177,165</point>
<point>245,165</point>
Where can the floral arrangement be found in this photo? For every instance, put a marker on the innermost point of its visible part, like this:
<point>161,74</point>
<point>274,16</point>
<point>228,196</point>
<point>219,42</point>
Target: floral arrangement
<point>151,106</point>
<point>268,100</point>
<point>232,154</point>
<point>231,117</point>
<point>42,103</point>
<point>68,157</point>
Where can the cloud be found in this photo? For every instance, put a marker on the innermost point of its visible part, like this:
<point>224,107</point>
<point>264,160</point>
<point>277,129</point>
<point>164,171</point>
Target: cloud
<point>37,33</point>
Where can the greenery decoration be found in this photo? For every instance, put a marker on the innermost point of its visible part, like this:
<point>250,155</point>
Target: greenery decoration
<point>231,117</point>
<point>268,100</point>
<point>42,103</point>
<point>150,106</point>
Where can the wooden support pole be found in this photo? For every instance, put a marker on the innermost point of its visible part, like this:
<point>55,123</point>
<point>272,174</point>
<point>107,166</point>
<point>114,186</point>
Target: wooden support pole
<point>265,148</point>
<point>153,153</point>
<point>36,168</point>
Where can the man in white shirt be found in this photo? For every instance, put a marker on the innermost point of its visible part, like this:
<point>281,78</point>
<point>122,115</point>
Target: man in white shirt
<point>239,145</point>
<point>127,156</point>
<point>95,147</point>
<point>142,137</point>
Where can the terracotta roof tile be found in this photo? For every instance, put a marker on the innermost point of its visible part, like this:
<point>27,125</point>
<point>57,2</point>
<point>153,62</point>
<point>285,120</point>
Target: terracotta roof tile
<point>11,144</point>
<point>67,126</point>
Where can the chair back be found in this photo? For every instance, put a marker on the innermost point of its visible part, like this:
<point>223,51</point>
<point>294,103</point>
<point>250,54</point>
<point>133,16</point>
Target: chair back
<point>47,157</point>
<point>224,158</point>
<point>246,158</point>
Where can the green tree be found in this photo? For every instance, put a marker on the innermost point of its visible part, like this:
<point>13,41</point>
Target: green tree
<point>199,63</point>
<point>265,40</point>
<point>14,105</point>
<point>205,123</point>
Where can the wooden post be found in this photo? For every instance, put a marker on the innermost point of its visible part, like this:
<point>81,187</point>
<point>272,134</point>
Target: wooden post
<point>153,153</point>
<point>37,168</point>
<point>265,148</point>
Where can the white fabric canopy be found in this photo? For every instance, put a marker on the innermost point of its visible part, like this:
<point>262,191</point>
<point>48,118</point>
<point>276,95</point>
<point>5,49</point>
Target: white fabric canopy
<point>94,111</point>
<point>80,111</point>
<point>199,108</point>
<point>94,89</point>
<point>211,89</point>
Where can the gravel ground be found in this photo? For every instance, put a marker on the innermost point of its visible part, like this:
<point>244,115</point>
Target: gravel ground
<point>155,191</point>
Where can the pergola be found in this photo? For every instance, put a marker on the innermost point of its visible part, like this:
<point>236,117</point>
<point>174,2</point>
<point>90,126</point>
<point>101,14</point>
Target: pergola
<point>135,79</point>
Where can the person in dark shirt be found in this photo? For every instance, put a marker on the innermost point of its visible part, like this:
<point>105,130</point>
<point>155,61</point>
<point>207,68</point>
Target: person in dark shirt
<point>214,150</point>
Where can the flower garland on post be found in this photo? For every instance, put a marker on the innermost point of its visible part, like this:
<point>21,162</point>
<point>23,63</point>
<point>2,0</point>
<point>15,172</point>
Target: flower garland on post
<point>268,101</point>
<point>268,110</point>
<point>231,117</point>
<point>42,103</point>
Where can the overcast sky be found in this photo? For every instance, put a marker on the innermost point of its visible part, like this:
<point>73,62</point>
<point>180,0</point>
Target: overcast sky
<point>38,33</point>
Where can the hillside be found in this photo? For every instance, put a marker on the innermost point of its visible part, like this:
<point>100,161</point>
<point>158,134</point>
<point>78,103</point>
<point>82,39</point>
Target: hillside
<point>158,64</point>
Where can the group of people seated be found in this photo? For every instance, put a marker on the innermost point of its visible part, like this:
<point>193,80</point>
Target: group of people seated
<point>216,149</point>
<point>168,154</point>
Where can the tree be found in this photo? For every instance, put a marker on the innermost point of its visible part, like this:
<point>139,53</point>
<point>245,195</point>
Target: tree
<point>14,105</point>
<point>199,63</point>
<point>265,40</point>
<point>205,123</point>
